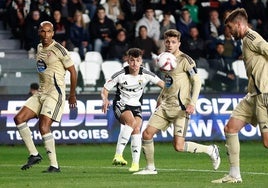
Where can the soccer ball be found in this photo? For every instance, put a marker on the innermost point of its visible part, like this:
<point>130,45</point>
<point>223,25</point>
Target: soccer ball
<point>166,61</point>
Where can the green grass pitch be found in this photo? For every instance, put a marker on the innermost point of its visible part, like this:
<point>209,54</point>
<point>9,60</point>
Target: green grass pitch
<point>90,166</point>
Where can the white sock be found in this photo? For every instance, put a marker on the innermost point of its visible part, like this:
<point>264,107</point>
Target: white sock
<point>123,139</point>
<point>26,136</point>
<point>135,148</point>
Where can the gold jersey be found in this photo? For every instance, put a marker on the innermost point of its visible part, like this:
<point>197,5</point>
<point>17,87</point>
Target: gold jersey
<point>255,56</point>
<point>52,62</point>
<point>182,84</point>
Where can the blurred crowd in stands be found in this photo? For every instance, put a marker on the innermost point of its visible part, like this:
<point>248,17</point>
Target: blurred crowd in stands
<point>111,27</point>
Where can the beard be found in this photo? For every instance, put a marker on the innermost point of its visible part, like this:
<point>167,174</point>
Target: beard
<point>236,35</point>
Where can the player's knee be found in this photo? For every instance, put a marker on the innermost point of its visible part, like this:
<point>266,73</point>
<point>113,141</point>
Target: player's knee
<point>136,130</point>
<point>146,135</point>
<point>230,129</point>
<point>44,129</point>
<point>18,119</point>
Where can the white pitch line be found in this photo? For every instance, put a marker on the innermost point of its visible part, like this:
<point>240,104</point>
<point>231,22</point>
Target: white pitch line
<point>158,169</point>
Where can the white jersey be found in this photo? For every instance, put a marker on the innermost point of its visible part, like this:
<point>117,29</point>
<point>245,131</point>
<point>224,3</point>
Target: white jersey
<point>129,87</point>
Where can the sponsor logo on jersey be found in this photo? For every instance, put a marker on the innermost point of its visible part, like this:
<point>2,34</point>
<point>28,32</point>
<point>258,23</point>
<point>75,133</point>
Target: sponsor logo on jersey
<point>168,80</point>
<point>41,65</point>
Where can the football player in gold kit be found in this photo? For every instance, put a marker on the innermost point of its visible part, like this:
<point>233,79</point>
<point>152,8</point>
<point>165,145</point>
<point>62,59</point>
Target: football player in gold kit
<point>175,105</point>
<point>253,108</point>
<point>48,103</point>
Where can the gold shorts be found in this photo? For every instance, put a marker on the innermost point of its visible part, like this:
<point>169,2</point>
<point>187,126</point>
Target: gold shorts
<point>51,106</point>
<point>253,110</point>
<point>163,118</point>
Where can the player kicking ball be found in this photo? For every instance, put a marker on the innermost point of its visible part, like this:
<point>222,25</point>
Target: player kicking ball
<point>130,83</point>
<point>175,105</point>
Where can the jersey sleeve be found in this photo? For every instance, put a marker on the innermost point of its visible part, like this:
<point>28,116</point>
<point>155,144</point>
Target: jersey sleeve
<point>190,68</point>
<point>109,84</point>
<point>63,55</point>
<point>150,76</point>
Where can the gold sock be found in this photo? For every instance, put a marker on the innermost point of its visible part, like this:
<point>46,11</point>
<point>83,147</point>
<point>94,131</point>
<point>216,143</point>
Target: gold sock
<point>26,136</point>
<point>193,147</point>
<point>233,149</point>
<point>49,143</point>
<point>148,150</point>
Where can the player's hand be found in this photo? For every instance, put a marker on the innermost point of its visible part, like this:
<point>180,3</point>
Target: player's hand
<point>190,109</point>
<point>105,105</point>
<point>72,101</point>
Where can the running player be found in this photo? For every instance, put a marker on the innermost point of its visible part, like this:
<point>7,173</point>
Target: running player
<point>48,104</point>
<point>253,108</point>
<point>130,83</point>
<point>177,102</point>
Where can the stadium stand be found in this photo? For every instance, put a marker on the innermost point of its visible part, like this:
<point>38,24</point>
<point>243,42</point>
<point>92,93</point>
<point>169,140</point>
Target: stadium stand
<point>109,68</point>
<point>16,75</point>
<point>10,48</point>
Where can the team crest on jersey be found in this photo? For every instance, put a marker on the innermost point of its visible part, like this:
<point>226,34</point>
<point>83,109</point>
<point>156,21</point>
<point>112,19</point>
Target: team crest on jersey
<point>49,54</point>
<point>168,80</point>
<point>41,65</point>
<point>140,82</point>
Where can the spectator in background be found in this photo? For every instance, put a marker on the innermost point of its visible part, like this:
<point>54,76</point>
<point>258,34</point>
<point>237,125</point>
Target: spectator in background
<point>232,47</point>
<point>223,72</point>
<point>147,45</point>
<point>91,6</point>
<point>31,38</point>
<point>256,14</point>
<point>213,28</point>
<point>61,30</point>
<point>133,11</point>
<point>33,88</point>
<point>17,12</point>
<point>229,5</point>
<point>44,8</point>
<point>156,4</point>
<point>193,10</point>
<point>205,6</point>
<point>79,34</point>
<point>114,12</point>
<point>102,30</point>
<point>152,25</point>
<point>165,24</point>
<point>118,46</point>
<point>184,23</point>
<point>62,5</point>
<point>196,46</point>
<point>73,6</point>
<point>174,6</point>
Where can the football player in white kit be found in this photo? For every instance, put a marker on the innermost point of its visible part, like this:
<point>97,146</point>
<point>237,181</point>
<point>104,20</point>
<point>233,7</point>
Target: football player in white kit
<point>130,83</point>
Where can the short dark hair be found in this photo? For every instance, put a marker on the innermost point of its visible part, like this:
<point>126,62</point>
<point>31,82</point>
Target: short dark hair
<point>134,52</point>
<point>34,86</point>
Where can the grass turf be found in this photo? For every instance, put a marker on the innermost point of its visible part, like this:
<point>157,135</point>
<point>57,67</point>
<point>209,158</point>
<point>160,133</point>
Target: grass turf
<point>90,166</point>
